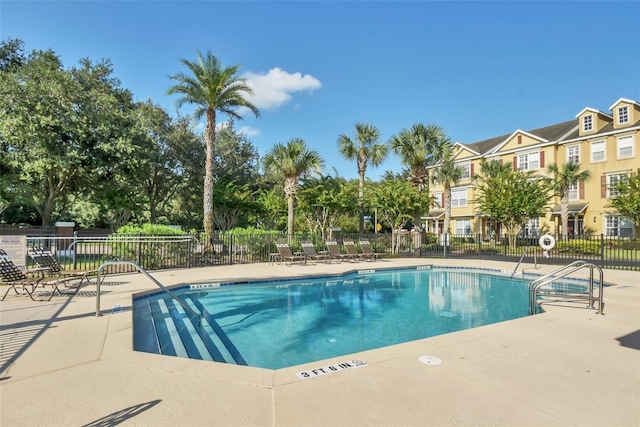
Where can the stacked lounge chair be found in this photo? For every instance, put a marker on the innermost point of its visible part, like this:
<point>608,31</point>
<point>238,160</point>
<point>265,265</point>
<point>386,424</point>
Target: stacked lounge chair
<point>29,280</point>
<point>311,253</point>
<point>287,256</point>
<point>365,245</point>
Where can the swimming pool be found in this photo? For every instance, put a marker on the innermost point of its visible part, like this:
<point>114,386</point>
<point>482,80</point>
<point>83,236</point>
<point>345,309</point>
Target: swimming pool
<point>282,323</point>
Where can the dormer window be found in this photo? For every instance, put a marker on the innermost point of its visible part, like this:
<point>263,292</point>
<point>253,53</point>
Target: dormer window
<point>623,115</point>
<point>587,123</point>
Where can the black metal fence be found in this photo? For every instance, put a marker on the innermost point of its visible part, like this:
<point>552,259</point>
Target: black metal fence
<point>163,252</point>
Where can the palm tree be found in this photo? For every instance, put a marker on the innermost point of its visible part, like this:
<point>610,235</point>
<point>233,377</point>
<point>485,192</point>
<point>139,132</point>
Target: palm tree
<point>365,149</point>
<point>292,162</point>
<point>417,149</point>
<point>211,88</point>
<point>493,169</point>
<point>448,174</point>
<point>561,180</point>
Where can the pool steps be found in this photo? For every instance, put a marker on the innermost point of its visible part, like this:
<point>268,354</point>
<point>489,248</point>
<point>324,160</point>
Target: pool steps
<point>182,335</point>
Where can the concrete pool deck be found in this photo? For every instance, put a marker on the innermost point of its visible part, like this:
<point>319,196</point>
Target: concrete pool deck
<point>60,365</point>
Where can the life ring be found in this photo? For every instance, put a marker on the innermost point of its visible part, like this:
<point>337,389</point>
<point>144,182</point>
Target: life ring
<point>547,238</point>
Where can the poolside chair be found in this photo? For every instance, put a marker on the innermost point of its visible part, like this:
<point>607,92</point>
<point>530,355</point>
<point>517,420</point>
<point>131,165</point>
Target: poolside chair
<point>334,251</point>
<point>45,259</point>
<point>287,256</point>
<point>365,245</point>
<point>13,277</point>
<point>350,247</point>
<point>311,253</point>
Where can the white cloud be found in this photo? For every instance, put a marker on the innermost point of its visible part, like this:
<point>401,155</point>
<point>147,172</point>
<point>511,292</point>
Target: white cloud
<point>248,131</point>
<point>273,89</point>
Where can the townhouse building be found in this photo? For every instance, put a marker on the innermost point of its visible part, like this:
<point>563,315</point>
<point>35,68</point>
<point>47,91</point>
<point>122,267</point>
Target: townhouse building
<point>605,143</point>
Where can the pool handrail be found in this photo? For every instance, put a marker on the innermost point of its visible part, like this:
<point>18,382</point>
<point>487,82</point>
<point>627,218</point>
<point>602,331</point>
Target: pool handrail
<point>547,279</point>
<point>153,279</point>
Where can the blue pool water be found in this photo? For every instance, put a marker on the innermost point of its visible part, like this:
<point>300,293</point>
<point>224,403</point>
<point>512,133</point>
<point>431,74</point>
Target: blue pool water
<point>285,323</point>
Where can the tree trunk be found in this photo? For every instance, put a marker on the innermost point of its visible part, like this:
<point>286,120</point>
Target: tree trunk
<point>290,217</point>
<point>564,212</point>
<point>209,138</point>
<point>447,210</point>
<point>361,200</point>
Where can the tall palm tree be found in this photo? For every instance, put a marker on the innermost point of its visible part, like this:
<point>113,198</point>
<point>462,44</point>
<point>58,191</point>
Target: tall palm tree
<point>292,162</point>
<point>364,150</point>
<point>211,88</point>
<point>562,178</point>
<point>448,174</point>
<point>417,149</point>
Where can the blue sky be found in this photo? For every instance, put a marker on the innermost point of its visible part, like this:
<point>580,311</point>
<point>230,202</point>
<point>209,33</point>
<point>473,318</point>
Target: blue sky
<point>478,69</point>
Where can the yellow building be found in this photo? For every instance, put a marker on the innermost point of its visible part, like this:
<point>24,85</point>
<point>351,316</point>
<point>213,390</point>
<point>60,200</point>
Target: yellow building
<point>606,144</point>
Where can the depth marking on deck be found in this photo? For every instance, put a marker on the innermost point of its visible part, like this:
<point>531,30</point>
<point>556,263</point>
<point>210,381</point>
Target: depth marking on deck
<point>331,369</point>
<point>204,285</point>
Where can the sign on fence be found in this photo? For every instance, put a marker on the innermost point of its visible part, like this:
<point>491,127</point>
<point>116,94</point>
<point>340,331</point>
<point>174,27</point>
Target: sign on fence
<point>16,248</point>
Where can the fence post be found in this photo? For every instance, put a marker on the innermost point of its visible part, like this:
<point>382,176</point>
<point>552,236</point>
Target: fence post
<point>601,249</point>
<point>479,237</point>
<point>190,250</point>
<point>231,249</point>
<point>75,250</point>
<point>139,249</point>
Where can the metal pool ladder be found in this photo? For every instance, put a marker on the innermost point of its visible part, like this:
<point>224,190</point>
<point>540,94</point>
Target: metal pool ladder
<point>184,305</point>
<point>536,286</point>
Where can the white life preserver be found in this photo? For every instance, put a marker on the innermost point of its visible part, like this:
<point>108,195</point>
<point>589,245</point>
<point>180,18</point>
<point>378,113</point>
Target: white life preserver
<point>547,238</point>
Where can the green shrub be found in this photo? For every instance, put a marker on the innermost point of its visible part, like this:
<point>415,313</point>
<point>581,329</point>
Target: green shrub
<point>579,247</point>
<point>152,253</point>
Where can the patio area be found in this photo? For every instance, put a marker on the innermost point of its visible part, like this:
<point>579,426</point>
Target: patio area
<point>62,365</point>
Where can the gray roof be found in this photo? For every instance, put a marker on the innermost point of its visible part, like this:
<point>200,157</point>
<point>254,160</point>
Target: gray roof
<point>549,133</point>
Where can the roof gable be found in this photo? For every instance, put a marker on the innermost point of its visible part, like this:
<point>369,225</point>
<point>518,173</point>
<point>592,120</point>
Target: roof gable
<point>624,100</point>
<point>464,152</point>
<point>518,139</point>
<point>591,110</point>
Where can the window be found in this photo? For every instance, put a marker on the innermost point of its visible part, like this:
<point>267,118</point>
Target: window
<point>573,154</point>
<point>587,123</point>
<point>625,147</point>
<point>437,199</point>
<point>623,115</point>
<point>532,228</point>
<point>612,180</point>
<point>615,225</point>
<point>529,161</point>
<point>597,152</point>
<point>573,191</point>
<point>463,226</point>
<point>466,170</point>
<point>458,197</point>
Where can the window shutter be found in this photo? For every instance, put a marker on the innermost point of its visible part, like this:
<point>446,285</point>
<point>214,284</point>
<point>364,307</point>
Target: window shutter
<point>603,186</point>
<point>515,162</point>
<point>442,200</point>
<point>500,161</point>
<point>519,139</point>
<point>541,159</point>
<point>581,190</point>
<point>472,169</point>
